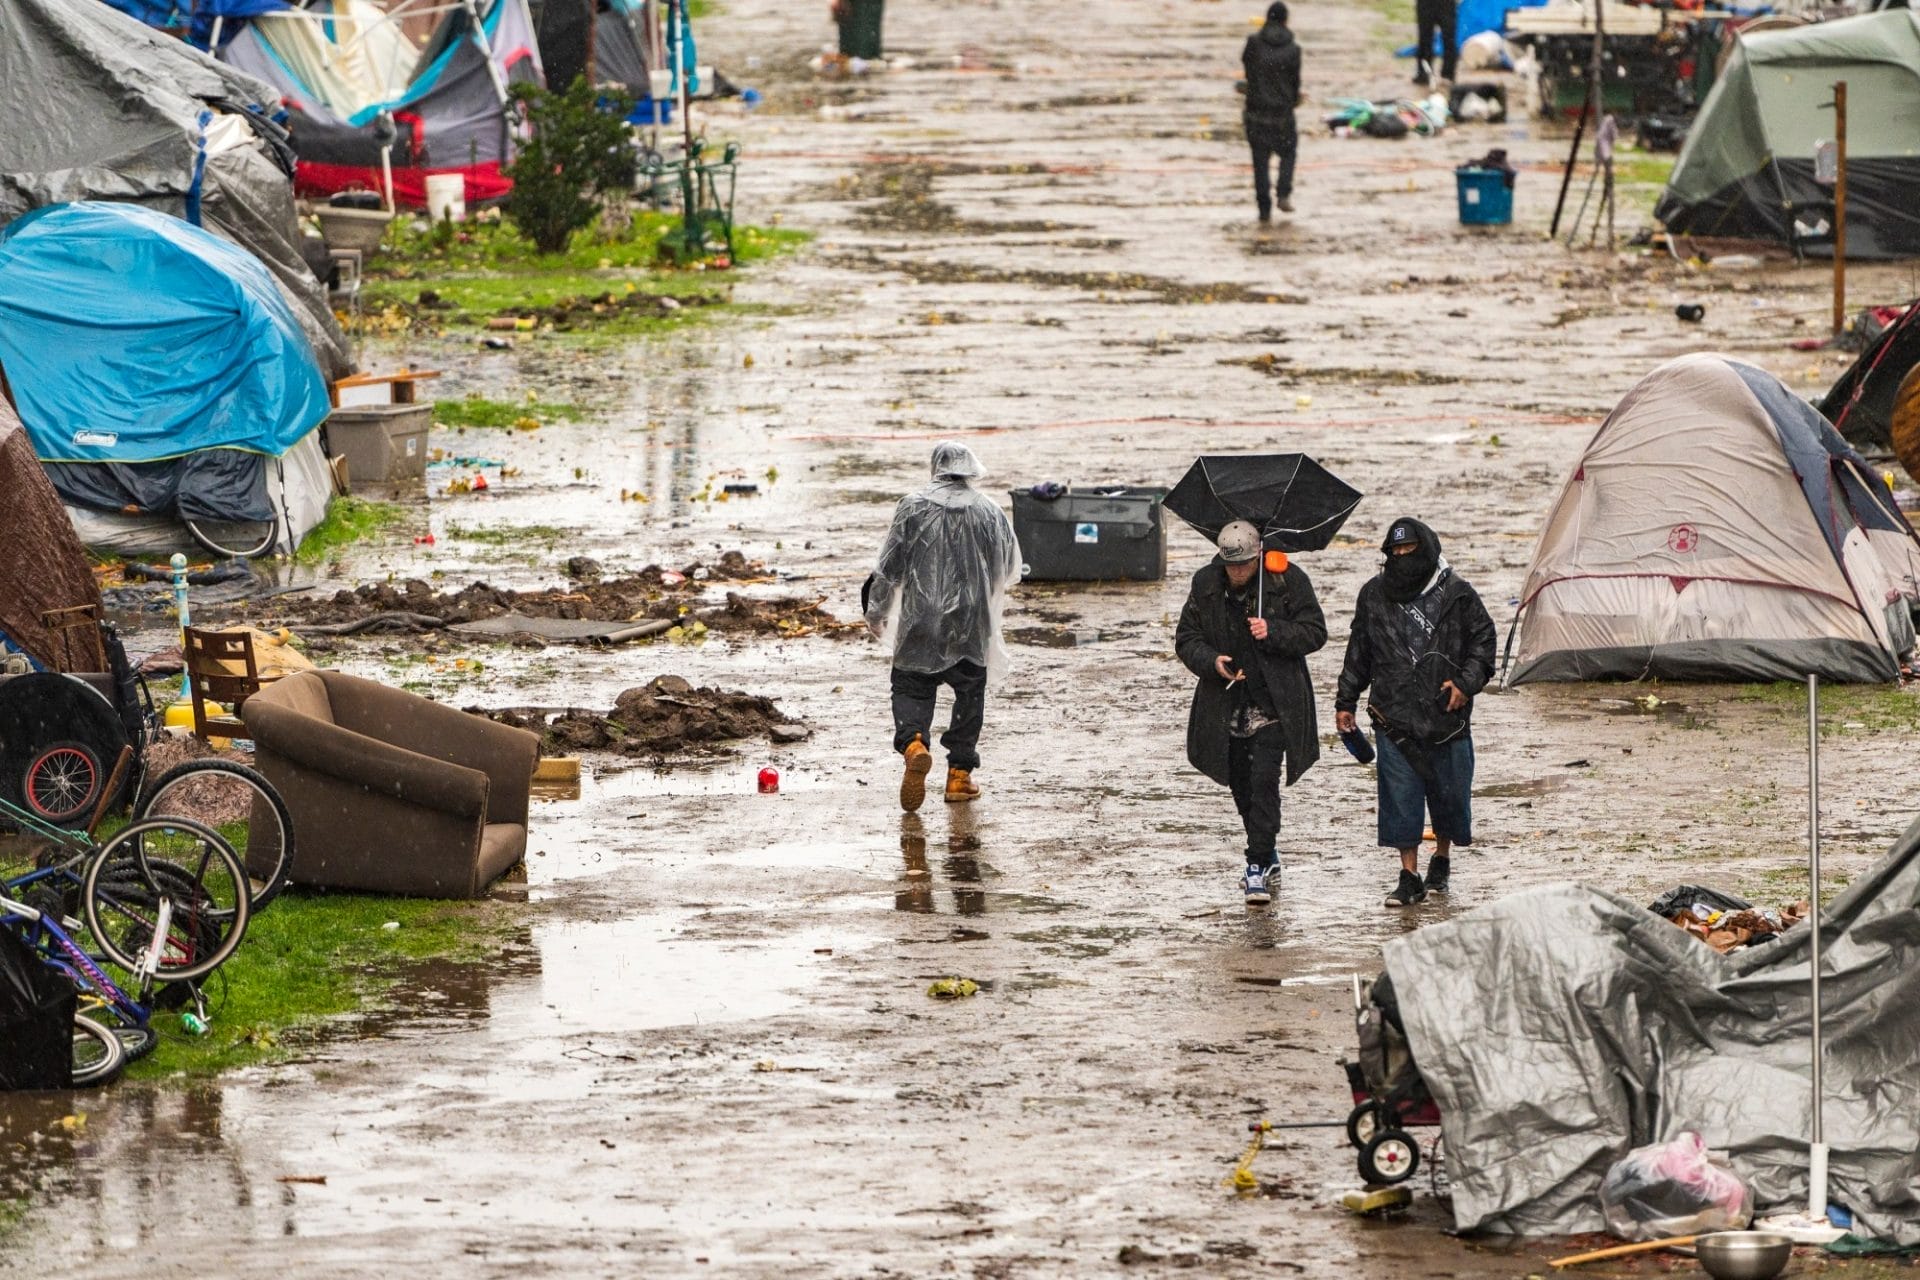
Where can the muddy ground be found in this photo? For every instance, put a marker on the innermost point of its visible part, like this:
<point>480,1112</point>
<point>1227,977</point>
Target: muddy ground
<point>712,1050</point>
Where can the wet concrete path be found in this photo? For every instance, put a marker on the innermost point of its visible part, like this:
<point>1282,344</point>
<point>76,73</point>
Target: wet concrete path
<point>709,1049</point>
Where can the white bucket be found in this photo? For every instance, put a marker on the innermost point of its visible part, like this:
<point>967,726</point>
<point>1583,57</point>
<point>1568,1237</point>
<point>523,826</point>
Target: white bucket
<point>447,196</point>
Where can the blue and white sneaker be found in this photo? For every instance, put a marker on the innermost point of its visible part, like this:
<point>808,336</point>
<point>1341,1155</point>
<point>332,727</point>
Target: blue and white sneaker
<point>1254,882</point>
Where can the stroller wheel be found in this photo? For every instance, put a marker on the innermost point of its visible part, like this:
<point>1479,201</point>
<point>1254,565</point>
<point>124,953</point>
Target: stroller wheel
<point>1390,1158</point>
<point>1364,1122</point>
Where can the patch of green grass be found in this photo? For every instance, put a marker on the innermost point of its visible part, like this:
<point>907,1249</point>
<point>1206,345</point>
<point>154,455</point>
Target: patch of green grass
<point>1642,168</point>
<point>485,269</point>
<point>1870,708</point>
<point>478,411</point>
<point>509,535</point>
<point>349,520</point>
<point>310,957</point>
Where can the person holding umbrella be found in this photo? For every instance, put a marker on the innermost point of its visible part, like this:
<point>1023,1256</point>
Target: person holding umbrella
<point>1422,646</point>
<point>1252,711</point>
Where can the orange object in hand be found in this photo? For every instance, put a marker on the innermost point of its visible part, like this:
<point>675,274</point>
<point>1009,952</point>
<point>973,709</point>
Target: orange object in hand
<point>1276,562</point>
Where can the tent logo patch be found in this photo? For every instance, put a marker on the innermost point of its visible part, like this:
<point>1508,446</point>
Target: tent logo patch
<point>1086,533</point>
<point>1683,538</point>
<point>96,439</point>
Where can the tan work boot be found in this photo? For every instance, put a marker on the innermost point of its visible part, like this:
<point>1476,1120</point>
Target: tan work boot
<point>913,783</point>
<point>960,786</point>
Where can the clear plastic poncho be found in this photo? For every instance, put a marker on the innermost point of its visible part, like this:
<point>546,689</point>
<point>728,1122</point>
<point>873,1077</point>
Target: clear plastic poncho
<point>941,582</point>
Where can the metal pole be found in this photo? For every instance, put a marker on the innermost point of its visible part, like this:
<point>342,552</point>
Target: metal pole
<point>1840,207</point>
<point>1817,1148</point>
<point>179,566</point>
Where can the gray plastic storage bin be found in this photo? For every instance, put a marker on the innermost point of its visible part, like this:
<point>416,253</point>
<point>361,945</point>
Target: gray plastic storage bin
<point>1083,536</point>
<point>385,445</point>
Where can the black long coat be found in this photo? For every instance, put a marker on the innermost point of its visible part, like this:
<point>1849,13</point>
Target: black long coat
<point>1211,625</point>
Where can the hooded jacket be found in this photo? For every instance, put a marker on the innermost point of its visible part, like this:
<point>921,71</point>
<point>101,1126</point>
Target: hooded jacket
<point>1211,625</point>
<point>1394,658</point>
<point>941,582</point>
<point>1272,63</point>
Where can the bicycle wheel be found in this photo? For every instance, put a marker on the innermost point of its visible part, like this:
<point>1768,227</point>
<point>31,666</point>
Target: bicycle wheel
<point>62,781</point>
<point>241,805</point>
<point>242,538</point>
<point>167,900</point>
<point>98,1055</point>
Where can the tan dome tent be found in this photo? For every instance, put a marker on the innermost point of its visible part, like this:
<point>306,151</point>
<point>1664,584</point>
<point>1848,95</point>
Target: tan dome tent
<point>1718,528</point>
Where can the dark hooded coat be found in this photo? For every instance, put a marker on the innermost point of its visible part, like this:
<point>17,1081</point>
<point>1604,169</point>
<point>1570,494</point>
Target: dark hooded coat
<point>1403,690</point>
<point>1211,624</point>
<point>1272,64</point>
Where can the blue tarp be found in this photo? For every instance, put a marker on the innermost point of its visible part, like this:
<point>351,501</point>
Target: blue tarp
<point>130,336</point>
<point>1475,16</point>
<point>197,16</point>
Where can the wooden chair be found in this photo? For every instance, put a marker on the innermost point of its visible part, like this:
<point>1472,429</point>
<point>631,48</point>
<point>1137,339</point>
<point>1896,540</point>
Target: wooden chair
<point>210,659</point>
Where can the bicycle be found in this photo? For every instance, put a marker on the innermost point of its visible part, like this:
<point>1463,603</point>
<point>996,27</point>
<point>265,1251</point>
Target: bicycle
<point>101,1048</point>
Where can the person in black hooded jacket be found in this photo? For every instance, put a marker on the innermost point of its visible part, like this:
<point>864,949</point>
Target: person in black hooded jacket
<point>1421,648</point>
<point>1272,63</point>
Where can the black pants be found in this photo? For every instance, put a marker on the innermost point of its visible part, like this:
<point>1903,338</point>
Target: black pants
<point>1271,138</point>
<point>913,695</point>
<point>1253,771</point>
<point>1444,15</point>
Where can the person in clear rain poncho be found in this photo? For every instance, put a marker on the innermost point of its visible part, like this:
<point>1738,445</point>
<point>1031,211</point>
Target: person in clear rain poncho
<point>936,596</point>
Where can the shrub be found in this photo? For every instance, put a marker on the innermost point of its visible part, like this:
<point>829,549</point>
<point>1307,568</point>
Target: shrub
<point>578,154</point>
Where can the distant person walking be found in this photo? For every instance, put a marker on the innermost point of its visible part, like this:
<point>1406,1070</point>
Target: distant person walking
<point>859,23</point>
<point>1272,63</point>
<point>1252,711</point>
<point>1441,17</point>
<point>937,594</point>
<point>1422,646</point>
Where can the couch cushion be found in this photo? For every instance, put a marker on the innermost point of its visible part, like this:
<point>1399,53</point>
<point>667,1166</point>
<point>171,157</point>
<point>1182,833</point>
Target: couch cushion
<point>303,693</point>
<point>501,845</point>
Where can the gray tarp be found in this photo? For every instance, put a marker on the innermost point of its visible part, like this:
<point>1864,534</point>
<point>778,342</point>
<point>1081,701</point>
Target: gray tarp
<point>100,107</point>
<point>1560,1027</point>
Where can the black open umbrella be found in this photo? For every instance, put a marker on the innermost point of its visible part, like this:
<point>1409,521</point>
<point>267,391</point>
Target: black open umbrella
<point>1297,504</point>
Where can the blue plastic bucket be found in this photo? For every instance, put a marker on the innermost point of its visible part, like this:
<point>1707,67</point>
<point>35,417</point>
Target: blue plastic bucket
<point>1486,198</point>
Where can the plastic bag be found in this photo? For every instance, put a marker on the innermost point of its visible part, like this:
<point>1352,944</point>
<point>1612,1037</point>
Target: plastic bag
<point>1673,1189</point>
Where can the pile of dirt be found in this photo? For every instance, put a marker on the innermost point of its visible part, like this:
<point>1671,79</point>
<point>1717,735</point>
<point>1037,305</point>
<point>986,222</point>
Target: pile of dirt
<point>665,717</point>
<point>652,593</point>
<point>214,800</point>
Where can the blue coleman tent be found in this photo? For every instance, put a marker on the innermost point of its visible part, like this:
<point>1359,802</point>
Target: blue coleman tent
<point>160,373</point>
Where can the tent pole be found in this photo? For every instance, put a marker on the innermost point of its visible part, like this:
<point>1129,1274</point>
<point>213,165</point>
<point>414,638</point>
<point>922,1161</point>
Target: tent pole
<point>1840,207</point>
<point>1817,1148</point>
<point>213,41</point>
<point>486,47</point>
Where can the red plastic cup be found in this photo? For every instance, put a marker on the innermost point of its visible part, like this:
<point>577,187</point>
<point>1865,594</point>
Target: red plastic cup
<point>769,780</point>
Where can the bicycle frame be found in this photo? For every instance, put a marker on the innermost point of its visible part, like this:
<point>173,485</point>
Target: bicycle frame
<point>59,952</point>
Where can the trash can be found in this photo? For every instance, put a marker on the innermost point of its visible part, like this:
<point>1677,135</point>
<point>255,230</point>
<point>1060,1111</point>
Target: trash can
<point>385,445</point>
<point>860,28</point>
<point>1486,196</point>
<point>1093,535</point>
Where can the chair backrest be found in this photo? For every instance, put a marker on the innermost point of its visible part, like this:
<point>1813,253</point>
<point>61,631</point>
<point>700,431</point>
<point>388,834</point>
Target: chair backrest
<point>210,657</point>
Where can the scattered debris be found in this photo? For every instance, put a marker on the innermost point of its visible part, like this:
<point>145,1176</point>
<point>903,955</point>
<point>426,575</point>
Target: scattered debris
<point>953,988</point>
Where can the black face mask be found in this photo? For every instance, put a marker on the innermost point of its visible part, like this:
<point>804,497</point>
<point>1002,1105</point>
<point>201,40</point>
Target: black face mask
<point>1405,575</point>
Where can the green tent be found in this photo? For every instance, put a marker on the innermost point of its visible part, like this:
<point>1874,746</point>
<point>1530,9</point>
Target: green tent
<point>1747,167</point>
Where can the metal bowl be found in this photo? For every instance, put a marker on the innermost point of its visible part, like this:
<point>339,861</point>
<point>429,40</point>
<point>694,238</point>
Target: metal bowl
<point>1744,1255</point>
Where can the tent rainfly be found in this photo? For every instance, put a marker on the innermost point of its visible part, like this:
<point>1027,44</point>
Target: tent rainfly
<point>163,379</point>
<point>1746,170</point>
<point>339,64</point>
<point>100,107</point>
<point>1718,528</point>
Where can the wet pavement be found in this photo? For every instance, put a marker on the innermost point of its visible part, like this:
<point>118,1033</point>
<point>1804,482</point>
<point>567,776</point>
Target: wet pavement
<point>711,1047</point>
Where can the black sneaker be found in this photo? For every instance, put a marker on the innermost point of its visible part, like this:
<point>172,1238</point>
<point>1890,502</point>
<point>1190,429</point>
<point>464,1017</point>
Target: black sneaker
<point>1410,890</point>
<point>1437,869</point>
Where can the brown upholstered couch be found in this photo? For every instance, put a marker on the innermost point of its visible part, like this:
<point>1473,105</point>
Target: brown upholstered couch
<point>392,792</point>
